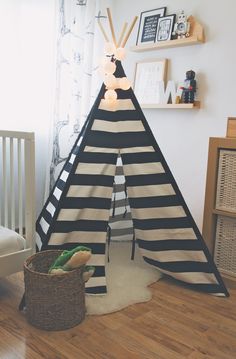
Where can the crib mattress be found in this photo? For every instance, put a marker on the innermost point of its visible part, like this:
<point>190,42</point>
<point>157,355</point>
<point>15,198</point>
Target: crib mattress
<point>10,241</point>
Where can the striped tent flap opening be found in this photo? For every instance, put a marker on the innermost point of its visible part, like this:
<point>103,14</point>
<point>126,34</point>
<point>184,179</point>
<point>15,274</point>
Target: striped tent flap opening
<point>81,205</point>
<point>120,220</point>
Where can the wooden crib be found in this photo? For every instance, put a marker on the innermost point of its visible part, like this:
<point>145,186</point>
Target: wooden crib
<point>17,200</point>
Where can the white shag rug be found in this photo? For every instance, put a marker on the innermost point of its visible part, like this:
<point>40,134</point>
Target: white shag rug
<point>127,281</point>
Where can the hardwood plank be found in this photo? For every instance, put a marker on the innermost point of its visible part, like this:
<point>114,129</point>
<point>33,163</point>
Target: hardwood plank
<point>177,323</point>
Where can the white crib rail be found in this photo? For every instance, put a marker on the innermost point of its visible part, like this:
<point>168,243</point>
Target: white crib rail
<point>17,183</point>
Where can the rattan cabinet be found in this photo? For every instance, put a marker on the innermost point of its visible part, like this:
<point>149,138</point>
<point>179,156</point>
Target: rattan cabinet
<point>219,222</point>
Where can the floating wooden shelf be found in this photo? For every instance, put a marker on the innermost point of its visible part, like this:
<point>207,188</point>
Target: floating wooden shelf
<point>174,105</point>
<point>188,41</point>
<point>196,37</point>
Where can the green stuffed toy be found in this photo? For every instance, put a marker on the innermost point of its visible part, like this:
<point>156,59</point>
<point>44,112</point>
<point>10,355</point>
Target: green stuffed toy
<point>69,260</point>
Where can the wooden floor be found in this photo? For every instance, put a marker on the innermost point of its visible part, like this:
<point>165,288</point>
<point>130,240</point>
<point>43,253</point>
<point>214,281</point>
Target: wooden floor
<point>177,323</point>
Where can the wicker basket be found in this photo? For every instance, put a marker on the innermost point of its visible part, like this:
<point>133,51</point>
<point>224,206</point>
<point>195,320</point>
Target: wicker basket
<point>225,245</point>
<point>53,302</point>
<point>226,181</point>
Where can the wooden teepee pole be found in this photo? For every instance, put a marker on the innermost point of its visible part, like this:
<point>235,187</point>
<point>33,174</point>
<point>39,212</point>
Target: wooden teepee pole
<point>122,34</point>
<point>111,26</point>
<point>129,32</point>
<point>102,30</point>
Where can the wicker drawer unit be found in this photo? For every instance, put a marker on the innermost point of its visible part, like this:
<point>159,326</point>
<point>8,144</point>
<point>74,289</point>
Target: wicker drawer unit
<point>226,182</point>
<point>225,245</point>
<point>219,221</point>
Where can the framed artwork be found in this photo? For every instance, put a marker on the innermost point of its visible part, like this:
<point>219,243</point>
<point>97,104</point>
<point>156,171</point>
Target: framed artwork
<point>165,27</point>
<point>148,25</point>
<point>149,74</point>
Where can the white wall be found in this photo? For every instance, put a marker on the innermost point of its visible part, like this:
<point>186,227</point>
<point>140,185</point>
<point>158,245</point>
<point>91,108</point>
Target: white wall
<point>183,134</point>
<point>27,70</point>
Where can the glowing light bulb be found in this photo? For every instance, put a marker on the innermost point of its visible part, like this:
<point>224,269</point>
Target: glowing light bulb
<point>124,83</point>
<point>110,95</point>
<point>110,67</point>
<point>120,53</point>
<point>110,104</point>
<point>110,81</point>
<point>109,48</point>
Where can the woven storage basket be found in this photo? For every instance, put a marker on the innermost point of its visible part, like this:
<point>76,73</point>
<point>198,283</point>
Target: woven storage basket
<point>53,302</point>
<point>226,181</point>
<point>225,245</point>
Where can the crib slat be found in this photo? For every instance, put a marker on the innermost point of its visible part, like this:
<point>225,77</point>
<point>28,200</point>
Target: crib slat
<point>20,193</point>
<point>12,184</point>
<point>5,187</point>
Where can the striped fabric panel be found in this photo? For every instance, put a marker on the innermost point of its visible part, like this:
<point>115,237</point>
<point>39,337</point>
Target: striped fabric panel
<point>76,237</point>
<point>121,105</point>
<point>118,127</point>
<point>166,234</point>
<point>89,191</point>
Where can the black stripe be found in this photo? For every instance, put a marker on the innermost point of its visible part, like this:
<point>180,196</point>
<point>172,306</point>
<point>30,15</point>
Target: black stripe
<point>117,115</point>
<point>53,200</point>
<point>150,202</point>
<point>92,180</point>
<point>67,167</point>
<point>140,157</point>
<point>117,140</point>
<point>170,244</point>
<point>157,223</point>
<point>95,157</point>
<point>40,232</point>
<point>122,231</point>
<point>60,184</point>
<point>96,290</point>
<point>140,180</point>
<point>96,248</point>
<point>86,202</point>
<point>47,216</point>
<point>120,217</point>
<point>81,225</point>
<point>181,267</point>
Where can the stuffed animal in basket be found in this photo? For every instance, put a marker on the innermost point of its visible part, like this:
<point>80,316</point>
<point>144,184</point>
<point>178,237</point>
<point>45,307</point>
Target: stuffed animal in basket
<point>69,260</point>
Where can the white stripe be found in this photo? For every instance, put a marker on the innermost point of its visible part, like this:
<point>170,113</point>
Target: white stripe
<point>96,169</point>
<point>125,237</point>
<point>44,225</point>
<point>89,191</point>
<point>121,104</point>
<point>118,126</point>
<point>143,168</point>
<point>97,260</point>
<point>50,208</point>
<point>64,176</point>
<point>57,193</point>
<point>175,255</point>
<point>121,224</point>
<point>151,191</point>
<point>77,236</point>
<point>71,214</point>
<point>192,277</point>
<point>72,158</point>
<point>162,234</point>
<point>158,212</point>
<point>95,282</point>
<point>137,149</point>
<point>100,149</point>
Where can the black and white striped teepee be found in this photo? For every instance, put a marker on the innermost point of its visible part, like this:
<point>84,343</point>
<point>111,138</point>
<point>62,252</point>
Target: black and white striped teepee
<point>78,208</point>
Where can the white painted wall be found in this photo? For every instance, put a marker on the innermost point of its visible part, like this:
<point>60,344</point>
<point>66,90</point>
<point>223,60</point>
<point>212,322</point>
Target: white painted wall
<point>27,70</point>
<point>183,134</point>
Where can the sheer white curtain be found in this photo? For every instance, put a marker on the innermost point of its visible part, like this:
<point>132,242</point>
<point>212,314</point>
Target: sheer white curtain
<point>79,46</point>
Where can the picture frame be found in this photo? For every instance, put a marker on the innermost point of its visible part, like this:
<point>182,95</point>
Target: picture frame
<point>165,27</point>
<point>231,127</point>
<point>148,25</point>
<point>148,76</point>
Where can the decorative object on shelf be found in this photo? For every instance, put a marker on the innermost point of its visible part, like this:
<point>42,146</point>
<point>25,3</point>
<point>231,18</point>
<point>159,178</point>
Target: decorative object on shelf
<point>148,75</point>
<point>182,26</point>
<point>148,25</point>
<point>169,94</point>
<point>231,127</point>
<point>189,88</point>
<point>165,28</point>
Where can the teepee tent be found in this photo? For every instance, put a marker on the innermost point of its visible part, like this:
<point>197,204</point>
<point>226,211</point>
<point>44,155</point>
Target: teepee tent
<point>78,208</point>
